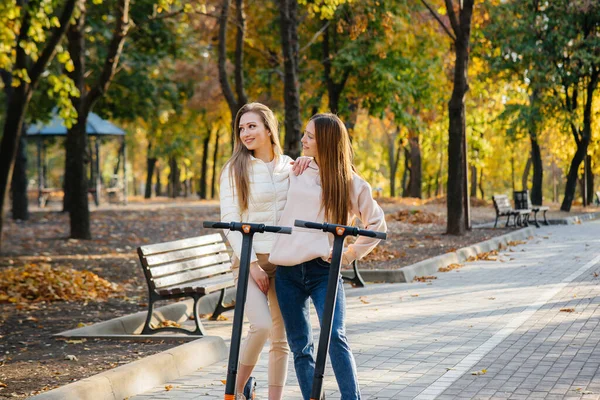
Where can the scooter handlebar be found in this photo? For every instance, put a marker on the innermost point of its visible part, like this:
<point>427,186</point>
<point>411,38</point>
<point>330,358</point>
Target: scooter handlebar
<point>279,229</point>
<point>373,234</point>
<point>216,225</point>
<point>239,226</point>
<point>307,224</point>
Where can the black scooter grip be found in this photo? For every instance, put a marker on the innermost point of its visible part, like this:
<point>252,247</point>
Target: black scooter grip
<point>307,224</point>
<point>217,225</point>
<point>279,229</point>
<point>373,234</point>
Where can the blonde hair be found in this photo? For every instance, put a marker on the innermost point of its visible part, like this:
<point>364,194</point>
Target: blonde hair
<point>239,163</point>
<point>334,153</point>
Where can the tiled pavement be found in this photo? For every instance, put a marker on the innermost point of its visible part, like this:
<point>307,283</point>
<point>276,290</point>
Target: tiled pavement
<point>489,330</point>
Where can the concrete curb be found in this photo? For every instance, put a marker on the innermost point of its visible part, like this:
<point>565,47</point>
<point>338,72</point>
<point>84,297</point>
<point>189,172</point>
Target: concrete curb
<point>431,265</point>
<point>576,219</point>
<point>142,375</point>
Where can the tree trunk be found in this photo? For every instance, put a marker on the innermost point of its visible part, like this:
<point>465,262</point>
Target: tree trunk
<point>334,89</point>
<point>213,183</point>
<point>158,188</point>
<point>473,181</point>
<point>456,201</point>
<point>481,184</point>
<point>582,139</point>
<point>525,176</point>
<point>590,180</point>
<point>536,154</point>
<point>173,178</point>
<point>416,177</point>
<point>538,173</point>
<point>204,172</point>
<point>20,202</point>
<point>150,164</point>
<point>291,93</point>
<point>406,174</point>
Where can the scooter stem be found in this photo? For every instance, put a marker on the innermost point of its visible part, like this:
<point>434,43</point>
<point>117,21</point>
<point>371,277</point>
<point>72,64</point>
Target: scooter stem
<point>328,312</point>
<point>238,316</point>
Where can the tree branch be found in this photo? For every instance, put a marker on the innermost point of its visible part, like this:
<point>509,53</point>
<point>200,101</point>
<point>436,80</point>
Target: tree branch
<point>314,38</point>
<point>114,53</point>
<point>49,50</point>
<point>225,87</point>
<point>239,53</point>
<point>452,17</point>
<point>438,19</point>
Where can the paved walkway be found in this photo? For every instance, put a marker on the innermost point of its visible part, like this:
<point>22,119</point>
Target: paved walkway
<point>522,327</point>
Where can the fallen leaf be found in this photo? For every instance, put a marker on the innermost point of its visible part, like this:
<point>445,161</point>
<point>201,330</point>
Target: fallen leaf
<point>424,278</point>
<point>567,309</point>
<point>414,295</point>
<point>450,267</point>
<point>491,298</point>
<point>223,381</point>
<point>71,357</point>
<point>75,341</point>
<point>482,372</point>
<point>3,385</point>
<point>364,300</point>
<point>168,387</point>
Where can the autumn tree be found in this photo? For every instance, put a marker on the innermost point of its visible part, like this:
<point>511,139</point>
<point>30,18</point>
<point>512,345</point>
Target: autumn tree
<point>459,32</point>
<point>31,31</point>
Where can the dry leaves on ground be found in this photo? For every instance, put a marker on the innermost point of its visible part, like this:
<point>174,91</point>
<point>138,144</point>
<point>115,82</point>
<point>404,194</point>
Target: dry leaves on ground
<point>381,253</point>
<point>485,256</point>
<point>511,243</point>
<point>166,324</point>
<point>450,267</point>
<point>567,310</point>
<point>34,283</point>
<point>482,372</point>
<point>424,278</point>
<point>415,217</point>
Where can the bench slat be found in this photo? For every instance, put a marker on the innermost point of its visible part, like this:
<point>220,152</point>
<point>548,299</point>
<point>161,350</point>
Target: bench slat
<point>204,286</point>
<point>179,255</point>
<point>181,244</point>
<point>187,276</point>
<point>167,269</point>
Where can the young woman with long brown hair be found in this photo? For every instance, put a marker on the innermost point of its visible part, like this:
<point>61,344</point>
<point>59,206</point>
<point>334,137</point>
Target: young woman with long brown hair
<point>328,191</point>
<point>254,185</point>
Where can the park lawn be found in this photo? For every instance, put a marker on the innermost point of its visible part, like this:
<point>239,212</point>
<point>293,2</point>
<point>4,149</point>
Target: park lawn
<point>31,360</point>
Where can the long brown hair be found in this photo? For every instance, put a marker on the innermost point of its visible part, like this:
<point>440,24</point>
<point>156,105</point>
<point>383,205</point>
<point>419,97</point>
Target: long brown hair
<point>239,163</point>
<point>334,152</point>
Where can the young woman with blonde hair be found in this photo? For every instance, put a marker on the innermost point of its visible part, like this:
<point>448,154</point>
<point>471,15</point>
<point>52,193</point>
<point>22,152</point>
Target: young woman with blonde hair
<point>254,185</point>
<point>328,191</point>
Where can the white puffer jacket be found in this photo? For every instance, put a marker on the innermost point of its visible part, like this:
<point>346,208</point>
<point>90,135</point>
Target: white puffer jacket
<point>268,195</point>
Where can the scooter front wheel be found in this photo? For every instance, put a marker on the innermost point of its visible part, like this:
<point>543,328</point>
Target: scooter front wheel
<point>250,389</point>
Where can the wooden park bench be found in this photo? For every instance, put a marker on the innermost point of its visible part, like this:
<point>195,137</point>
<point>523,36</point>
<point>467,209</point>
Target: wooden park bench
<point>523,202</point>
<point>191,267</point>
<point>504,209</point>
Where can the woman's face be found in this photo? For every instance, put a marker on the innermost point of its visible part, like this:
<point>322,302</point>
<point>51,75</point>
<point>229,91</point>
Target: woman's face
<point>309,143</point>
<point>253,133</point>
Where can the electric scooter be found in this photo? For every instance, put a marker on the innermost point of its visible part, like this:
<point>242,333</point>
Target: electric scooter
<point>340,232</point>
<point>248,230</point>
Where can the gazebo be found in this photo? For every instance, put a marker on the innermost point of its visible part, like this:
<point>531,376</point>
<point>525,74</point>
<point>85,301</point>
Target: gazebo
<point>97,128</point>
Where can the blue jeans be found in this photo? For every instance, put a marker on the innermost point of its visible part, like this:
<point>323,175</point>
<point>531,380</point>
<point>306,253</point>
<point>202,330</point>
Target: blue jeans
<point>294,286</point>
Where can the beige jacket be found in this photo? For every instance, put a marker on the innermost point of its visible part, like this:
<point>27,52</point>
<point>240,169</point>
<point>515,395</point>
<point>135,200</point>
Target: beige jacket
<point>267,199</point>
<point>304,203</point>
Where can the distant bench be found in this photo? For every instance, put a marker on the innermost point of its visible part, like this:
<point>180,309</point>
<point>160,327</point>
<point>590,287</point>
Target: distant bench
<point>504,209</point>
<point>523,202</point>
<point>191,267</point>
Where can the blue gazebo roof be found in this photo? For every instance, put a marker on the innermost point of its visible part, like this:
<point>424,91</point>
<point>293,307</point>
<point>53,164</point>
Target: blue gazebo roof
<point>95,126</point>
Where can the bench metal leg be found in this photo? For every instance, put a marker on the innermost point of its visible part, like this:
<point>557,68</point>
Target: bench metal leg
<point>545,220</point>
<point>148,330</point>
<point>507,222</point>
<point>221,307</point>
<point>356,280</point>
<point>496,223</point>
<point>535,221</point>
